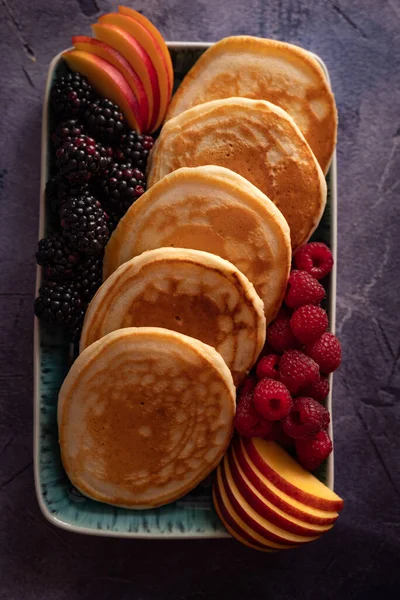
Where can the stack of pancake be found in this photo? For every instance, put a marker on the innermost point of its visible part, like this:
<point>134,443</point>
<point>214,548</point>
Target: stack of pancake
<point>195,271</point>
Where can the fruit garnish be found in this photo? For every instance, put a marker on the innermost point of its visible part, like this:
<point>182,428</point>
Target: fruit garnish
<point>302,289</point>
<point>57,258</point>
<point>67,131</point>
<point>80,159</point>
<point>326,352</point>
<point>306,418</point>
<point>135,149</point>
<point>272,399</point>
<point>312,452</point>
<point>318,390</point>
<point>104,120</point>
<point>279,333</point>
<point>297,370</point>
<point>315,258</point>
<point>84,225</point>
<point>71,94</point>
<point>247,421</point>
<point>119,185</point>
<point>308,323</point>
<point>268,366</point>
<point>60,303</point>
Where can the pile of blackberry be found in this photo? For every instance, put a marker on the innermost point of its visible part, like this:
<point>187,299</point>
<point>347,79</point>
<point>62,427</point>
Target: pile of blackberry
<point>98,172</point>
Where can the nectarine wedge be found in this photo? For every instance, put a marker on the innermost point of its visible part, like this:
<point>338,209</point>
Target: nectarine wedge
<point>265,508</point>
<point>149,44</point>
<point>107,80</point>
<point>139,60</point>
<point>289,505</point>
<point>257,522</point>
<point>88,44</point>
<point>290,477</point>
<point>232,528</point>
<point>125,10</point>
<point>237,523</point>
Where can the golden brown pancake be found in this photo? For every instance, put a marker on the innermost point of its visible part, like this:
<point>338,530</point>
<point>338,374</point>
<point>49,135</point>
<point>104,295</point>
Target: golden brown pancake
<point>262,69</point>
<point>256,139</point>
<point>144,415</point>
<point>189,291</point>
<point>212,209</point>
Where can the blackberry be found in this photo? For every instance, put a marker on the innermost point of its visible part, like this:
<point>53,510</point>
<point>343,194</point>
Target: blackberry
<point>58,260</point>
<point>104,120</point>
<point>119,186</point>
<point>66,132</point>
<point>80,159</point>
<point>66,189</point>
<point>59,189</point>
<point>112,218</point>
<point>84,224</point>
<point>89,277</point>
<point>135,148</point>
<point>71,94</point>
<point>59,303</point>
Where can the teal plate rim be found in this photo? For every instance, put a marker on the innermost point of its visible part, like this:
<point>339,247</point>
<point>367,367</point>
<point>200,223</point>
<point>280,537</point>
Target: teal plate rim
<point>63,506</point>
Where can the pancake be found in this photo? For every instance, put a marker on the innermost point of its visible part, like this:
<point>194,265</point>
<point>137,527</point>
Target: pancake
<point>261,69</point>
<point>258,140</point>
<point>212,209</point>
<point>144,415</point>
<point>192,292</point>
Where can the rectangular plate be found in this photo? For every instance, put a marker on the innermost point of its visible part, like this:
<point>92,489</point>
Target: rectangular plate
<point>190,517</point>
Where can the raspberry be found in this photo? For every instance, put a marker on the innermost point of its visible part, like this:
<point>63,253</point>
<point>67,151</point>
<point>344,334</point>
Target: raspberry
<point>247,422</point>
<point>306,418</point>
<point>315,258</point>
<point>297,370</point>
<point>268,366</point>
<point>318,390</point>
<point>326,351</point>
<point>302,289</point>
<point>247,386</point>
<point>312,451</point>
<point>279,436</point>
<point>272,399</point>
<point>279,334</point>
<point>308,323</point>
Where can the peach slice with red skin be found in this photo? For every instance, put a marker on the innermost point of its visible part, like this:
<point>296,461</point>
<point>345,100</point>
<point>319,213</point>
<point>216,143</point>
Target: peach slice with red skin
<point>149,44</point>
<point>130,12</point>
<point>88,44</point>
<point>265,508</point>
<point>292,507</point>
<point>239,534</point>
<point>106,80</point>
<point>290,477</point>
<point>256,522</point>
<point>236,522</point>
<point>139,60</point>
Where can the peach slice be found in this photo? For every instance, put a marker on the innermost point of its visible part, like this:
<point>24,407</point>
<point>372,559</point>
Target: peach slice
<point>237,523</point>
<point>265,508</point>
<point>258,523</point>
<point>88,44</point>
<point>232,528</point>
<point>149,44</point>
<point>289,505</point>
<point>287,475</point>
<point>107,80</point>
<point>125,10</point>
<point>139,60</point>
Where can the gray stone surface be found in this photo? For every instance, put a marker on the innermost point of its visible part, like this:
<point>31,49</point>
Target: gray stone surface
<point>360,42</point>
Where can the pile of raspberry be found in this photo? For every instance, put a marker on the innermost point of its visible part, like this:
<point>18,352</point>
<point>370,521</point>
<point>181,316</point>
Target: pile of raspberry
<point>282,399</point>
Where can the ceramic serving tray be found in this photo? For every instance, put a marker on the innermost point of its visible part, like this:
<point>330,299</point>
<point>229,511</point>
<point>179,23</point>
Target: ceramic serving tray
<point>191,517</point>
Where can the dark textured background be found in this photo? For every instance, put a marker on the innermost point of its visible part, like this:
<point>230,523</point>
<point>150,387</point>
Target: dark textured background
<point>360,42</point>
